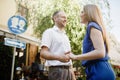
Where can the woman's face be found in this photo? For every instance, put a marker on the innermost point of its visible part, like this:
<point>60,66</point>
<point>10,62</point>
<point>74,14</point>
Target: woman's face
<point>83,17</point>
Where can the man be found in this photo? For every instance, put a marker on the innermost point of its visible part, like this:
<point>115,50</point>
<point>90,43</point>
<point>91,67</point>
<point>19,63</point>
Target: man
<point>54,47</point>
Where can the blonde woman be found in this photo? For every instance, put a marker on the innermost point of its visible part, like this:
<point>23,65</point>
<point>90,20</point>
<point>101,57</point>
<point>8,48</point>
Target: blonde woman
<point>95,46</point>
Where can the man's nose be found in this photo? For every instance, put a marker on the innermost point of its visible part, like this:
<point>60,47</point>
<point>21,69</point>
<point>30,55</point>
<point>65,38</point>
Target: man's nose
<point>65,19</point>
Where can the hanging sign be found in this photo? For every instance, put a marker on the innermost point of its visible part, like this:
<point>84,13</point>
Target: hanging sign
<point>15,43</point>
<point>17,24</point>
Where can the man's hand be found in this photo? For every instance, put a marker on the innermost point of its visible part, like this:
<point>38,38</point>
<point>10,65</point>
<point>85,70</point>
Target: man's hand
<point>71,56</point>
<point>64,57</point>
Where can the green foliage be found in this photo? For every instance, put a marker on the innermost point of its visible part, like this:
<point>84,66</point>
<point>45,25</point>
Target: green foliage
<point>40,13</point>
<point>40,18</point>
<point>43,24</point>
<point>74,30</point>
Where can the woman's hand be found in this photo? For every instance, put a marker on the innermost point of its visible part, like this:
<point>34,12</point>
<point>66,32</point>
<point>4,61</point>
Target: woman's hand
<point>64,57</point>
<point>72,56</point>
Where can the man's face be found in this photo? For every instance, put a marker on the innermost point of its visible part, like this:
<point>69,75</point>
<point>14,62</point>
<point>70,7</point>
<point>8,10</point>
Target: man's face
<point>61,19</point>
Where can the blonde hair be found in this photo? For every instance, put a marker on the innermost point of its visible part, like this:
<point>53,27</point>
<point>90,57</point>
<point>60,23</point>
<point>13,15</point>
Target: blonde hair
<point>94,14</point>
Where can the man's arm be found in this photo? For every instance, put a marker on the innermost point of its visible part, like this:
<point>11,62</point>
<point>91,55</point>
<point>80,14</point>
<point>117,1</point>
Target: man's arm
<point>45,53</point>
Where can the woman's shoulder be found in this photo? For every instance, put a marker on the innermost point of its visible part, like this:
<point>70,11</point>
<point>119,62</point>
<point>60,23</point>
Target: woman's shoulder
<point>94,25</point>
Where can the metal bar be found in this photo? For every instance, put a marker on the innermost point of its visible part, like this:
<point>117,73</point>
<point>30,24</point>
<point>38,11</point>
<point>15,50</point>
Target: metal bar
<point>13,61</point>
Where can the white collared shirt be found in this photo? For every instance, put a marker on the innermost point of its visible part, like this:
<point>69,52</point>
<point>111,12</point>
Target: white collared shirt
<point>58,43</point>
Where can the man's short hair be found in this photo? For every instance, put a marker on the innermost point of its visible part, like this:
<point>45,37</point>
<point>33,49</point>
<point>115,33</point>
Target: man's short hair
<point>54,14</point>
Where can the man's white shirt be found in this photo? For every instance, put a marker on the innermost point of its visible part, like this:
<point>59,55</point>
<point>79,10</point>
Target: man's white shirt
<point>58,44</point>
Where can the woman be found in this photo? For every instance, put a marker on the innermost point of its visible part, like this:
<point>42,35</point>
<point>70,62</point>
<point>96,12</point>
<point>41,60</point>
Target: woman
<point>95,46</point>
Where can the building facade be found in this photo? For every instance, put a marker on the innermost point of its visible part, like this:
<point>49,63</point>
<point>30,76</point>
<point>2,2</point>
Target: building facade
<point>23,57</point>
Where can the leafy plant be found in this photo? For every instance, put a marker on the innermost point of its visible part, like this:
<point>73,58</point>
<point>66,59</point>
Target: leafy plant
<point>40,13</point>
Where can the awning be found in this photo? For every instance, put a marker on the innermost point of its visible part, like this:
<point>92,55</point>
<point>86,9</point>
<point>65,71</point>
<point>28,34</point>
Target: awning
<point>22,37</point>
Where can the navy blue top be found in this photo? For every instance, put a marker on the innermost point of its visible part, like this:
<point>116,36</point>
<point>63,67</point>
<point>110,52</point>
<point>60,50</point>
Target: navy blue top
<point>88,45</point>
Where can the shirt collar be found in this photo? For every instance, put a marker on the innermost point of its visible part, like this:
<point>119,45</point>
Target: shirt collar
<point>58,30</point>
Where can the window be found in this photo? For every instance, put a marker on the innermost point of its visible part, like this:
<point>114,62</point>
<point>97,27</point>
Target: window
<point>23,11</point>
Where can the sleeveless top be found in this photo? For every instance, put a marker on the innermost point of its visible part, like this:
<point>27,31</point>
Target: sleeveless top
<point>88,45</point>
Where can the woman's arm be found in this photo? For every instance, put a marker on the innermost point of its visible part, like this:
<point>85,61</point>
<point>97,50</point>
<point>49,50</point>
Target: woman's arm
<point>98,43</point>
